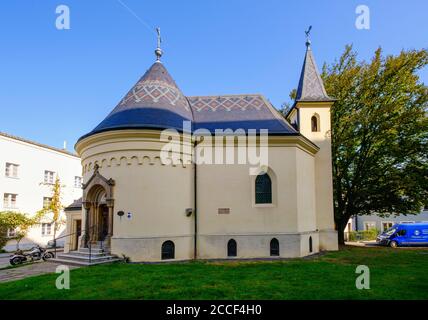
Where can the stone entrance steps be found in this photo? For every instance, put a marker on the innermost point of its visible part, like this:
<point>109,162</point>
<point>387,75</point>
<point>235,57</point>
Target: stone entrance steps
<point>84,257</point>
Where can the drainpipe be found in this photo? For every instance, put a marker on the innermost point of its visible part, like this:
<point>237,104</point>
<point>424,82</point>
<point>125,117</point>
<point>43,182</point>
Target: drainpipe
<point>195,211</point>
<point>195,184</point>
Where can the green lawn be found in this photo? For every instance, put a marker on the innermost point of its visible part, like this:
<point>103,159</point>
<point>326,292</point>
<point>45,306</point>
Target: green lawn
<point>395,274</point>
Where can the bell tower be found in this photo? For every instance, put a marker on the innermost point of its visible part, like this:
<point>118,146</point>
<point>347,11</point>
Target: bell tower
<point>311,116</point>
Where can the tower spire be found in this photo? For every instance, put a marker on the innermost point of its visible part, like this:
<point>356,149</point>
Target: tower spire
<point>311,87</point>
<point>158,51</point>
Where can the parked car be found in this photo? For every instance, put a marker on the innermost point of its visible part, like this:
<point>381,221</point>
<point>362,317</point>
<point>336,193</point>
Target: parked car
<point>402,234</point>
<point>53,243</point>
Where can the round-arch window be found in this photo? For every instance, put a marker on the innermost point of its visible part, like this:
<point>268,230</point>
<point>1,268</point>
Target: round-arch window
<point>263,189</point>
<point>231,248</point>
<point>168,250</point>
<point>274,247</point>
<point>314,124</point>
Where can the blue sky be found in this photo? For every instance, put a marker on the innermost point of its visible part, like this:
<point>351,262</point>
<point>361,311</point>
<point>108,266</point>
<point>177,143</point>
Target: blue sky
<point>57,85</point>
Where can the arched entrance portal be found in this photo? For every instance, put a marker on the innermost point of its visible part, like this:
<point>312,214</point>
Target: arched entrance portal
<point>98,214</point>
<point>98,203</point>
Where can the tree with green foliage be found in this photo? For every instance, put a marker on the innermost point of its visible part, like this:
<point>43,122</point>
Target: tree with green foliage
<point>54,208</point>
<point>17,221</point>
<point>379,134</point>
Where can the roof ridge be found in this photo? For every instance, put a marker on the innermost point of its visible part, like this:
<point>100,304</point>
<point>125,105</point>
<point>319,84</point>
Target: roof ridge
<point>227,95</point>
<point>38,144</point>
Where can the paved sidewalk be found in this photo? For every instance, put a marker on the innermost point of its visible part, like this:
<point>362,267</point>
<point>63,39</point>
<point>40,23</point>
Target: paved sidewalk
<point>29,270</point>
<point>4,260</point>
<point>371,243</point>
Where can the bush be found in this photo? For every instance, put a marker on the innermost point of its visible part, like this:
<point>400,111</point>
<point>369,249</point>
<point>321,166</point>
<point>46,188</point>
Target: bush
<point>365,235</point>
<point>3,238</point>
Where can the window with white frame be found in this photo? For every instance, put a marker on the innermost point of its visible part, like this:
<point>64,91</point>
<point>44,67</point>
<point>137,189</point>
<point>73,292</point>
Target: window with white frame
<point>77,182</point>
<point>369,225</point>
<point>49,177</point>
<point>11,170</point>
<point>47,202</point>
<point>9,200</point>
<point>386,225</point>
<point>11,233</point>
<point>46,229</point>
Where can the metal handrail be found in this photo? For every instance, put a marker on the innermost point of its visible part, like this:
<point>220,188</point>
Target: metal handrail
<point>89,242</point>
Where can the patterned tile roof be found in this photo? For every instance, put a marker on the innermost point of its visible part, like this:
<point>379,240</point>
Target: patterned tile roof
<point>156,102</point>
<point>237,111</point>
<point>311,87</point>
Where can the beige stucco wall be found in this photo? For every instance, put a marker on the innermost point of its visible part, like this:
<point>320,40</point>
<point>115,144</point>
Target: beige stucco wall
<point>231,186</point>
<point>323,168</point>
<point>158,195</point>
<point>288,218</point>
<point>305,191</point>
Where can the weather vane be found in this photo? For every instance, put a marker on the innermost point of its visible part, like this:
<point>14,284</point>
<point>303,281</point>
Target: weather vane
<point>158,50</point>
<point>308,32</point>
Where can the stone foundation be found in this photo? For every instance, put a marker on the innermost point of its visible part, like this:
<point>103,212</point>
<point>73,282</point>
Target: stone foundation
<point>215,246</point>
<point>328,240</point>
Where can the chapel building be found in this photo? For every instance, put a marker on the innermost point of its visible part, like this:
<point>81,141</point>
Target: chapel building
<point>139,205</point>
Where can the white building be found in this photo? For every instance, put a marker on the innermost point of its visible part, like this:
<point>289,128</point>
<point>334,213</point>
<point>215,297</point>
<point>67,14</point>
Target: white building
<point>27,173</point>
<point>367,222</point>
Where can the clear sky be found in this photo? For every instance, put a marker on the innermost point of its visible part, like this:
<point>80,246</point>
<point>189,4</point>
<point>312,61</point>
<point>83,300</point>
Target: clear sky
<point>57,85</point>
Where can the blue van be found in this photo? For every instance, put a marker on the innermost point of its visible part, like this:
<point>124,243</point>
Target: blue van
<point>405,234</point>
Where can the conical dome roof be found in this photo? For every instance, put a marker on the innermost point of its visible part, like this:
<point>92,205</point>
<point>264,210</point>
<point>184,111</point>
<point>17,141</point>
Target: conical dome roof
<point>154,102</point>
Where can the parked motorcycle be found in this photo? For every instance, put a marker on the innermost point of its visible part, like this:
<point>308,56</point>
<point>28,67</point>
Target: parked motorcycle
<point>34,254</point>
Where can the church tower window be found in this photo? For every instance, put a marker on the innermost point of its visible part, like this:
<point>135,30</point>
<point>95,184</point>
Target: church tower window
<point>315,126</point>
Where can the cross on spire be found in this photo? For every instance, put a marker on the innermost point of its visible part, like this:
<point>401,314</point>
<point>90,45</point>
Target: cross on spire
<point>158,50</point>
<point>308,32</point>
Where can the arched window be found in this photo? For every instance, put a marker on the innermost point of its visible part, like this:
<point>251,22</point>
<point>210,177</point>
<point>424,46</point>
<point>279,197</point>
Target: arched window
<point>314,124</point>
<point>231,248</point>
<point>263,189</point>
<point>274,247</point>
<point>168,250</point>
<point>310,244</point>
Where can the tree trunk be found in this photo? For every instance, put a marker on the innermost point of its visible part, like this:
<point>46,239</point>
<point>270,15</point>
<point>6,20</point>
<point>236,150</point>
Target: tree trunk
<point>341,235</point>
<point>341,225</point>
<point>54,235</point>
